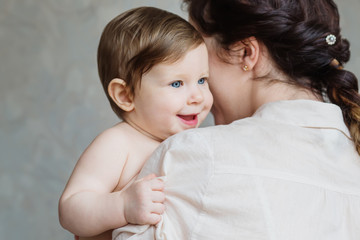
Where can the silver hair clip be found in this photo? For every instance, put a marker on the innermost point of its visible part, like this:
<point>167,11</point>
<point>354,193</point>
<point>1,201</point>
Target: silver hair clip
<point>330,39</point>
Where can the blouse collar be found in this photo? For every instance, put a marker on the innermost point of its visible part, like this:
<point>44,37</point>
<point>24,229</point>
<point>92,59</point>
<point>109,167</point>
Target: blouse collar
<point>304,113</point>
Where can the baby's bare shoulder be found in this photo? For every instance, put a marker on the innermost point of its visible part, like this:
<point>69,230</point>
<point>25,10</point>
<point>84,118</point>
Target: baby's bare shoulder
<point>117,134</point>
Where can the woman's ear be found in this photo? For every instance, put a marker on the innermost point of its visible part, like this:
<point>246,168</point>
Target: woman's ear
<point>251,54</point>
<point>248,53</point>
<point>120,94</point>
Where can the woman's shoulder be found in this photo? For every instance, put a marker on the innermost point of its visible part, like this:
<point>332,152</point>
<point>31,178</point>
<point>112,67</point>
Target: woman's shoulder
<point>208,135</point>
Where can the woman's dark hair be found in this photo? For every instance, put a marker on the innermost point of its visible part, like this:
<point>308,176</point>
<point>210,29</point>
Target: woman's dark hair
<point>294,32</point>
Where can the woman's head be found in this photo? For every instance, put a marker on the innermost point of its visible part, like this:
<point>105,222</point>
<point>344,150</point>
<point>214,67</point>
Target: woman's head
<point>294,32</point>
<point>136,40</point>
<point>296,36</point>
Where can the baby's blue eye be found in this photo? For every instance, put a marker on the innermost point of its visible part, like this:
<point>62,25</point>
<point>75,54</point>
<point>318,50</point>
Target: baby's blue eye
<point>201,81</point>
<point>176,84</point>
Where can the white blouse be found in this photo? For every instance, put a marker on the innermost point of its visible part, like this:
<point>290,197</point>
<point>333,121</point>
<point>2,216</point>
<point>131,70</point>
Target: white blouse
<point>288,172</point>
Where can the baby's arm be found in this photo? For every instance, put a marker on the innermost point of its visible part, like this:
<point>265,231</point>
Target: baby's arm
<point>89,206</point>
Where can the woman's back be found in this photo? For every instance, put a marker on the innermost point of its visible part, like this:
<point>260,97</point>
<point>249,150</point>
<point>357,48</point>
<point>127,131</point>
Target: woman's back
<point>285,173</point>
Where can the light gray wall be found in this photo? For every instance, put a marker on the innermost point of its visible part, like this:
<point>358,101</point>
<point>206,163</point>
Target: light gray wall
<point>52,104</point>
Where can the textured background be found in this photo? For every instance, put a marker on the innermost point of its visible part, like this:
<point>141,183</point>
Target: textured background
<point>52,104</point>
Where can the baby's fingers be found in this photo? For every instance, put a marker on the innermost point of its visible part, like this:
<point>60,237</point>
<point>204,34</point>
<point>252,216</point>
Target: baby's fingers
<point>157,184</point>
<point>154,219</point>
<point>157,197</point>
<point>158,208</point>
<point>149,177</point>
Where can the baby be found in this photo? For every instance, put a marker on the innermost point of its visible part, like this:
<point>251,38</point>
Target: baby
<point>153,66</point>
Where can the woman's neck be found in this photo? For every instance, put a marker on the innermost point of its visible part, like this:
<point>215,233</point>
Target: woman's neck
<point>274,85</point>
<point>278,91</point>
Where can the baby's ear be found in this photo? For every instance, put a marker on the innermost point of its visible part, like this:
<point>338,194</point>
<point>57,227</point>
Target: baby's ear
<point>120,94</point>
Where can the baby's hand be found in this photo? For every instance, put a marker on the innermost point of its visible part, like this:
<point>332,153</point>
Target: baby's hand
<point>144,201</point>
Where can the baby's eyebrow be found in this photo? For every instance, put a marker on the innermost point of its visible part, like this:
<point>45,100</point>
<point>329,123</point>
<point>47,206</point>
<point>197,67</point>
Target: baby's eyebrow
<point>206,73</point>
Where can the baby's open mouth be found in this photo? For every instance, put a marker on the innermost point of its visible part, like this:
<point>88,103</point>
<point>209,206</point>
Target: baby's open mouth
<point>188,117</point>
<point>190,120</point>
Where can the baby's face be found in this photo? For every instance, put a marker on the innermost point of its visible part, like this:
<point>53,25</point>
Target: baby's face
<point>174,96</point>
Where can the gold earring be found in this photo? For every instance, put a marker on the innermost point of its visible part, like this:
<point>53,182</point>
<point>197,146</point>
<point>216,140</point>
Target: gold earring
<point>245,68</point>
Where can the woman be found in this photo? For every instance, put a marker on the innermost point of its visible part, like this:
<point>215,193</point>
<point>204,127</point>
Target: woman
<point>286,165</point>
